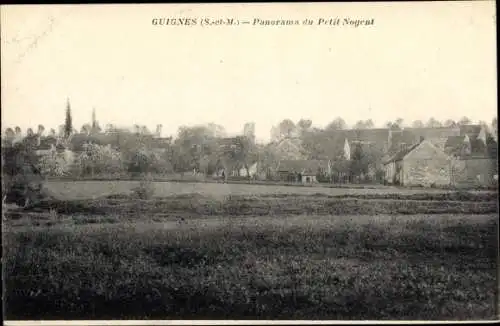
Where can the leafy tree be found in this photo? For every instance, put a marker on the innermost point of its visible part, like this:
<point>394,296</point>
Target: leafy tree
<point>358,161</point>
<point>366,124</point>
<point>249,153</point>
<point>267,160</point>
<point>304,124</point>
<point>337,124</point>
<point>22,181</point>
<point>450,123</point>
<point>54,164</point>
<point>392,125</point>
<point>464,121</point>
<point>146,160</point>
<point>417,124</point>
<point>191,144</point>
<point>286,128</point>
<point>9,133</point>
<point>369,124</point>
<point>433,123</point>
<point>359,125</point>
<point>99,159</point>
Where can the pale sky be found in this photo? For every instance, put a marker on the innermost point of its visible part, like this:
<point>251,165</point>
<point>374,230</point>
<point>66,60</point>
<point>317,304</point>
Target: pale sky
<point>418,60</point>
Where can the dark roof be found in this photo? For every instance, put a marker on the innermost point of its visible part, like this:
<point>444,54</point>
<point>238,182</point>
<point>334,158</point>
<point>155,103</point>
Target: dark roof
<point>471,130</point>
<point>404,136</point>
<point>402,153</point>
<point>429,133</point>
<point>454,143</point>
<point>302,166</point>
<point>400,137</point>
<point>331,142</point>
<point>478,147</point>
<point>378,135</point>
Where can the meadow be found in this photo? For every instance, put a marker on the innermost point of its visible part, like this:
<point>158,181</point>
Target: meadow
<point>294,253</point>
<point>93,189</point>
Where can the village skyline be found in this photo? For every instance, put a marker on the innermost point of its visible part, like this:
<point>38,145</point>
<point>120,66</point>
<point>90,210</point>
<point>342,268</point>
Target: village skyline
<point>335,123</point>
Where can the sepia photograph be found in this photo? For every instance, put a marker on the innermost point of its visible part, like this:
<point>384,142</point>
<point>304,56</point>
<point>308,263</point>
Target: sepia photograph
<point>249,162</point>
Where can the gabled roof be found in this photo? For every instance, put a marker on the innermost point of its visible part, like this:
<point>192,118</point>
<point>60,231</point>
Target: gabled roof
<point>402,153</point>
<point>302,166</point>
<point>400,137</point>
<point>294,141</point>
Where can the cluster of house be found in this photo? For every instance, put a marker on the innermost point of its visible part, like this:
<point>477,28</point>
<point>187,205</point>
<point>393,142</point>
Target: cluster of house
<point>441,156</point>
<point>70,147</point>
<point>408,156</point>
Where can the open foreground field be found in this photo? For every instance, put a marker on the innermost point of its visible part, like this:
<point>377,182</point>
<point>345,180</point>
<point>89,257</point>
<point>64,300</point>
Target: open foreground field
<point>94,189</point>
<point>255,256</point>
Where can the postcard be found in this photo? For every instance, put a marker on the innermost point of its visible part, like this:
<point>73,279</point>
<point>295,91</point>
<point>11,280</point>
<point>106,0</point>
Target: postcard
<point>249,163</point>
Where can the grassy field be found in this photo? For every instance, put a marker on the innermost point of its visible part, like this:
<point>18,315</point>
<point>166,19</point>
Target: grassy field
<point>94,189</point>
<point>255,256</point>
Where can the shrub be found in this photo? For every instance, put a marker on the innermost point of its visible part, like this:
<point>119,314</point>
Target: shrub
<point>98,159</point>
<point>146,189</point>
<point>22,180</point>
<point>54,164</point>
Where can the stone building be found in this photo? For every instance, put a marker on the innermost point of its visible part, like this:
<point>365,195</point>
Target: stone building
<point>422,164</point>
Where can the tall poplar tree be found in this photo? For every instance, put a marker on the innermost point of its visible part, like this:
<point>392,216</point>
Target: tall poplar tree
<point>68,123</point>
